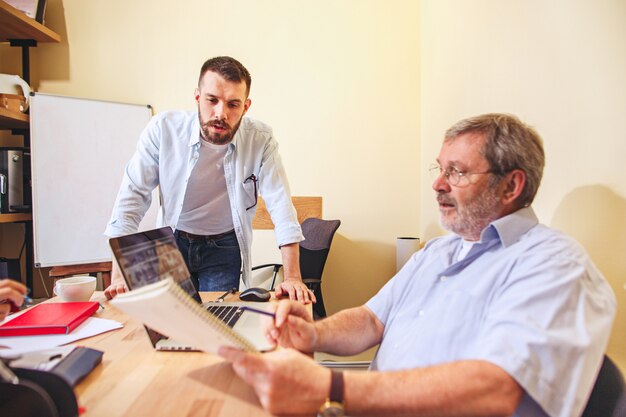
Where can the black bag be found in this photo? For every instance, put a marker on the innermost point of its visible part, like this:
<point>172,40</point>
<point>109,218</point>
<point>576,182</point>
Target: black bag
<point>48,393</point>
<point>37,394</point>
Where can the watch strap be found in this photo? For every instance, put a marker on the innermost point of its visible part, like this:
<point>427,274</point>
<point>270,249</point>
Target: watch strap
<point>336,386</point>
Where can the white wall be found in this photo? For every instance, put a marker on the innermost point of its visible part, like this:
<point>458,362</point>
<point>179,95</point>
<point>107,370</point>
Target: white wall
<point>558,65</point>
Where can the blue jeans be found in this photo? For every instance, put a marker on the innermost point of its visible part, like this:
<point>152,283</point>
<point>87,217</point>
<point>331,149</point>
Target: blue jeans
<point>214,264</point>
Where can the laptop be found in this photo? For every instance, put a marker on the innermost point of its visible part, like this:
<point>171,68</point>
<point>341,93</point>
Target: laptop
<point>150,256</point>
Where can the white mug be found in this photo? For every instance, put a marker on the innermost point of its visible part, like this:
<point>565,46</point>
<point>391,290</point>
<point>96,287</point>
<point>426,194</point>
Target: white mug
<point>78,288</point>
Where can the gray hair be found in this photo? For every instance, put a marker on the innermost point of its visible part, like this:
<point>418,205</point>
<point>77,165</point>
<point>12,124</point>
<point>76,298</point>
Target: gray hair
<point>509,144</point>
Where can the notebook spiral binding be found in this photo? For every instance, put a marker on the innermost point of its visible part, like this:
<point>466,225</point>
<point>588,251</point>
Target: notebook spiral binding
<point>201,312</point>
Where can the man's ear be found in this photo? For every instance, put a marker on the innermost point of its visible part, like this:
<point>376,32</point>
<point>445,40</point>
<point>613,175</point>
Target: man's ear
<point>246,105</point>
<point>196,94</point>
<point>514,183</point>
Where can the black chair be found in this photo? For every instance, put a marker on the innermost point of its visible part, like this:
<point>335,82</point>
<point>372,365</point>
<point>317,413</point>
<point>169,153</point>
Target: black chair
<point>314,250</point>
<point>608,397</point>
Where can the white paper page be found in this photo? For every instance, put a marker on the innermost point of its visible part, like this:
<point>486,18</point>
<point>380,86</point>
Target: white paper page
<point>10,346</point>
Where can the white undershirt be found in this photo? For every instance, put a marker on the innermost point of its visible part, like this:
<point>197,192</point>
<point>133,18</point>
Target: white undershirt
<point>466,246</point>
<point>206,207</point>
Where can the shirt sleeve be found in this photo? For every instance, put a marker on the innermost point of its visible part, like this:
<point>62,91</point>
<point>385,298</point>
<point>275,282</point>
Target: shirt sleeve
<point>140,178</point>
<point>274,188</point>
<point>386,302</point>
<point>543,327</point>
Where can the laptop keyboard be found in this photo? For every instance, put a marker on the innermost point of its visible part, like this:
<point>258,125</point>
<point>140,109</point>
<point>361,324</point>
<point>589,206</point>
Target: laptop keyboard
<point>228,314</point>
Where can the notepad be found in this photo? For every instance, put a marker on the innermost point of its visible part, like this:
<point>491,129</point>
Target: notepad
<point>49,318</point>
<point>165,307</point>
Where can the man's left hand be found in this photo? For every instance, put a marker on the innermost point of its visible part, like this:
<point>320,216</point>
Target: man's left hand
<point>286,381</point>
<point>296,290</point>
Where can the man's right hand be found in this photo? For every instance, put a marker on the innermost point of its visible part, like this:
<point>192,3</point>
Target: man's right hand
<point>118,285</point>
<point>293,327</point>
<point>11,292</point>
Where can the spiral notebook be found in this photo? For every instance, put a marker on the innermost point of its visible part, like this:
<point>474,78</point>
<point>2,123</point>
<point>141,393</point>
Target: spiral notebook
<point>165,307</point>
<point>150,257</point>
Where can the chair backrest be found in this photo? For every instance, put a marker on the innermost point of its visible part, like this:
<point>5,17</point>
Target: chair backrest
<point>608,398</point>
<point>314,249</point>
<point>306,207</point>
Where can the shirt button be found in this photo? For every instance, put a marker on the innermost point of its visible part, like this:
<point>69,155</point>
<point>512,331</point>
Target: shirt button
<point>421,312</point>
<point>443,278</point>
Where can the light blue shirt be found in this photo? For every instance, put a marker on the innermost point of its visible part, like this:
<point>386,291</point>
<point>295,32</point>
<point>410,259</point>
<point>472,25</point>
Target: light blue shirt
<point>526,298</point>
<point>167,151</point>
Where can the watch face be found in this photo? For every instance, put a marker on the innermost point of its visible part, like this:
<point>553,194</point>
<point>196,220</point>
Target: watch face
<point>332,409</point>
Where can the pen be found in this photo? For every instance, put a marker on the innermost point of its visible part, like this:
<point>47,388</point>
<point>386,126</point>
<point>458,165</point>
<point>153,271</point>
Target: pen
<point>7,374</point>
<point>27,302</point>
<point>221,297</point>
<point>256,310</point>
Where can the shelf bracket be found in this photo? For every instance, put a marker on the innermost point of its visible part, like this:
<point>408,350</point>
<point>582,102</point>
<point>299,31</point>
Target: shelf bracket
<point>24,44</point>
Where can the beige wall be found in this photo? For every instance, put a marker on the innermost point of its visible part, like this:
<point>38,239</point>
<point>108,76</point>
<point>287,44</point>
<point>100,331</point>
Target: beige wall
<point>560,66</point>
<point>338,81</point>
<point>342,82</point>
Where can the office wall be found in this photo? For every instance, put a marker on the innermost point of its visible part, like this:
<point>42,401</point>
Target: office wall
<point>338,81</point>
<point>342,83</point>
<point>560,66</point>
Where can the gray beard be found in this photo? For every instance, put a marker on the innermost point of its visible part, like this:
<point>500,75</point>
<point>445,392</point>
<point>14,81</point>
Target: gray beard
<point>475,216</point>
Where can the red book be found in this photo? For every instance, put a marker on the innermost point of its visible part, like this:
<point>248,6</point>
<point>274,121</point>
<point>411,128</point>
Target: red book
<point>49,318</point>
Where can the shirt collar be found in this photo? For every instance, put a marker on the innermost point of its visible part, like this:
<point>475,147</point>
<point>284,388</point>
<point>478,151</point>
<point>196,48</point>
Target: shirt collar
<point>194,138</point>
<point>511,227</point>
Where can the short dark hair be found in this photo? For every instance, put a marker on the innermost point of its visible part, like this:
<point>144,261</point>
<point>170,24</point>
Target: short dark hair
<point>229,68</point>
<point>509,144</point>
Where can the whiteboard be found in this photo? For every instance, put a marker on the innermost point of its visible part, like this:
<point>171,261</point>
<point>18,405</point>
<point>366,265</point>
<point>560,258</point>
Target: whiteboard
<point>79,148</point>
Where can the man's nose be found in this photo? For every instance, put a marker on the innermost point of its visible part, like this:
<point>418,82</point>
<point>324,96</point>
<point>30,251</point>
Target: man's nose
<point>440,184</point>
<point>218,111</point>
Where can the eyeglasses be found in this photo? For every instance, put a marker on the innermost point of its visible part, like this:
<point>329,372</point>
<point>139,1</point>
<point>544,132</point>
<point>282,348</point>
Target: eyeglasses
<point>453,175</point>
<point>254,179</point>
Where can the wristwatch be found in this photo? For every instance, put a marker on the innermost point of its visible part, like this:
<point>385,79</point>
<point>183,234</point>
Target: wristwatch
<point>333,407</point>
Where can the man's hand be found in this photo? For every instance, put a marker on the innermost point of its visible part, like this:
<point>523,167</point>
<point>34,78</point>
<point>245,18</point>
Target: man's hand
<point>293,327</point>
<point>118,285</point>
<point>286,382</point>
<point>11,293</point>
<point>295,289</point>
<point>292,285</point>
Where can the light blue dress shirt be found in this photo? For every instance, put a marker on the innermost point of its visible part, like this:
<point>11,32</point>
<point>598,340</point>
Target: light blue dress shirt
<point>526,298</point>
<point>166,154</point>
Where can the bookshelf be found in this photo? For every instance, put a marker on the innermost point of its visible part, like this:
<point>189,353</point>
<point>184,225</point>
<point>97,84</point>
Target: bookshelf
<point>16,25</point>
<point>21,31</point>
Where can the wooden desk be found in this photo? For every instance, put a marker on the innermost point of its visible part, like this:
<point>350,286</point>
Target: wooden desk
<point>135,380</point>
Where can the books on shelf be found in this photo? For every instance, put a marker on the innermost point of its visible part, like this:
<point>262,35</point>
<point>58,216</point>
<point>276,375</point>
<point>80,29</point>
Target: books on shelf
<point>165,307</point>
<point>49,318</point>
<point>32,8</point>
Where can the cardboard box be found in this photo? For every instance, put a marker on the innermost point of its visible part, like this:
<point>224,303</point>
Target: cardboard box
<point>12,102</point>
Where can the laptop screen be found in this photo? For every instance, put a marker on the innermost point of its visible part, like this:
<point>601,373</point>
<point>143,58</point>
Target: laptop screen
<point>150,256</point>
